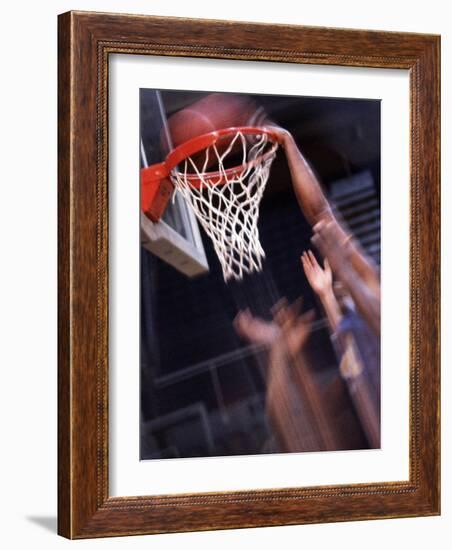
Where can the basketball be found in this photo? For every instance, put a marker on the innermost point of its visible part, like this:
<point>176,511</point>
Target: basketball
<point>214,112</point>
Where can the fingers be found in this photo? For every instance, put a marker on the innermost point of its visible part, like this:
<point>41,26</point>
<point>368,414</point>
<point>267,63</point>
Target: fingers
<point>310,263</point>
<point>306,260</point>
<point>282,135</point>
<point>313,259</point>
<point>306,264</point>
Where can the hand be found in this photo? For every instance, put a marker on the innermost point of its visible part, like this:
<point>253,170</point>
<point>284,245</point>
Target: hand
<point>255,330</point>
<point>283,136</point>
<point>294,328</point>
<point>321,280</point>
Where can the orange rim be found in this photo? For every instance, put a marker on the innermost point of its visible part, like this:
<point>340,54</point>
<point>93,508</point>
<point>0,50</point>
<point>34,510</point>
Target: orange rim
<point>199,143</point>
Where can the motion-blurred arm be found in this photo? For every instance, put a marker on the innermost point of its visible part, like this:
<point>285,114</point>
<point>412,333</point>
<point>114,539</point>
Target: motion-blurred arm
<point>321,281</point>
<point>316,207</point>
<point>366,297</point>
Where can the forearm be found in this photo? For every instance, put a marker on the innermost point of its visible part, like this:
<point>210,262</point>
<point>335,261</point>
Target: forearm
<point>363,265</point>
<point>307,188</point>
<point>367,301</point>
<point>332,309</point>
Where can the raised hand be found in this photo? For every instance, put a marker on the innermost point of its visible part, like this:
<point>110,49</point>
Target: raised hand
<point>321,280</point>
<point>362,285</point>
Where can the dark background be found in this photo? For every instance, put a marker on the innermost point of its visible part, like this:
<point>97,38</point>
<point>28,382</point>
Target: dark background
<point>202,387</point>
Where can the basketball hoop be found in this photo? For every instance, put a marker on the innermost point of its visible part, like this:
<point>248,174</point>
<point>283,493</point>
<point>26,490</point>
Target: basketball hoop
<point>225,200</point>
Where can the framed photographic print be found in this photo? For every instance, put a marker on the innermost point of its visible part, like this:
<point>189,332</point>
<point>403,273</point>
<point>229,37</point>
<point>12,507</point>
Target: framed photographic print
<point>248,275</point>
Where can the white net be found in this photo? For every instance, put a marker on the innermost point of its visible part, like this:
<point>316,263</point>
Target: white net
<point>226,202</point>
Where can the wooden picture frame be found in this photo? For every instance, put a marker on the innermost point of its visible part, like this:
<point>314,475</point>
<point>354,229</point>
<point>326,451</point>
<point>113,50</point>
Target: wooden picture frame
<point>86,40</point>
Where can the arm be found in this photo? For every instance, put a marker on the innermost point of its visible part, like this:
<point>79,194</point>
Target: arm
<point>332,309</point>
<point>366,297</point>
<point>321,281</point>
<point>307,188</point>
<point>316,207</point>
<point>367,302</point>
<point>350,365</point>
<point>361,263</point>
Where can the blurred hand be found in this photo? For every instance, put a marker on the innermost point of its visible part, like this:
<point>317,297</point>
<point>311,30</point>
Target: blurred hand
<point>254,329</point>
<point>321,280</point>
<point>282,135</point>
<point>288,328</point>
<point>294,328</point>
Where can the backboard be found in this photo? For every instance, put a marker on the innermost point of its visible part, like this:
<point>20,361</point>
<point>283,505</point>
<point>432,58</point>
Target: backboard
<point>176,238</point>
